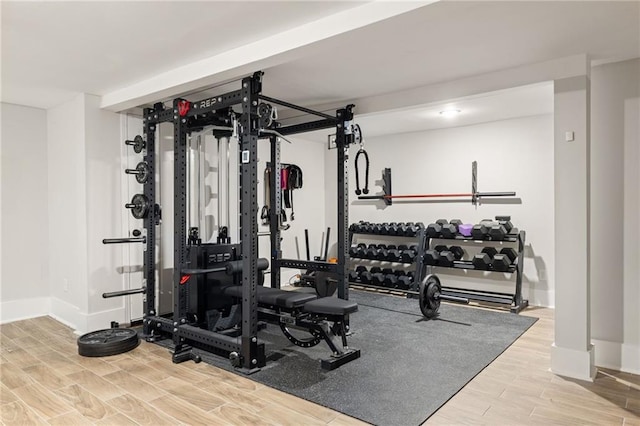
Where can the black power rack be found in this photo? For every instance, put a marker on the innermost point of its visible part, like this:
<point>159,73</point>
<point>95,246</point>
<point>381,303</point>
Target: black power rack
<point>250,121</point>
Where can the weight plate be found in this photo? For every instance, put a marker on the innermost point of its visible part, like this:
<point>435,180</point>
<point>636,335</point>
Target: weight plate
<point>143,172</point>
<point>139,144</point>
<point>111,341</point>
<point>303,342</point>
<point>430,290</point>
<point>141,206</point>
<point>325,284</point>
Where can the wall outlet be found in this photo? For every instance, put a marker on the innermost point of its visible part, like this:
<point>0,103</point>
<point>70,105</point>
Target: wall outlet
<point>569,136</point>
<point>65,284</point>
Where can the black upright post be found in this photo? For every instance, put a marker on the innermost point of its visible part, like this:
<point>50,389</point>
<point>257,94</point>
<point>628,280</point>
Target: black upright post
<point>251,88</point>
<point>344,138</point>
<point>180,292</point>
<point>149,224</point>
<point>275,201</point>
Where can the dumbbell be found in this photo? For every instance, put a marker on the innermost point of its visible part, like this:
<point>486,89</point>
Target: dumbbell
<point>354,276</point>
<point>358,251</point>
<point>409,255</point>
<point>503,260</point>
<point>434,230</point>
<point>390,280</point>
<point>450,230</point>
<point>393,254</point>
<point>481,230</point>
<point>366,277</point>
<point>412,229</point>
<point>381,253</point>
<point>404,282</point>
<point>378,279</point>
<point>371,252</point>
<point>500,229</point>
<point>483,259</point>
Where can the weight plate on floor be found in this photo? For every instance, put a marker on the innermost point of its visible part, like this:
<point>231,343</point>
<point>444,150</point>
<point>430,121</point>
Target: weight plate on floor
<point>430,290</point>
<point>111,341</point>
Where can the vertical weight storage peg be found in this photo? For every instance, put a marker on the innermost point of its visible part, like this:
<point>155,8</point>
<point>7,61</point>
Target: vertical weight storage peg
<point>141,171</point>
<point>137,143</point>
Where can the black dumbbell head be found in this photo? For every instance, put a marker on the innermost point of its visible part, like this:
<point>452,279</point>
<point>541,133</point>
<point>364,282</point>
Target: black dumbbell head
<point>393,255</point>
<point>403,247</point>
<point>442,221</point>
<point>354,276</point>
<point>378,279</point>
<point>375,270</point>
<point>501,262</point>
<point>361,268</point>
<point>404,282</point>
<point>365,277</point>
<point>481,261</point>
<point>400,272</point>
<point>449,230</point>
<point>446,258</point>
<point>440,248</point>
<point>510,253</point>
<point>390,280</point>
<point>433,230</point>
<point>479,231</point>
<point>456,222</point>
<point>408,256</point>
<point>431,257</point>
<point>457,251</point>
<point>491,251</point>
<point>498,232</point>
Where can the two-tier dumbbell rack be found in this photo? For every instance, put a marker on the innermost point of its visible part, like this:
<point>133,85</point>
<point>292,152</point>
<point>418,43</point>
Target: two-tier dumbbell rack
<point>515,300</point>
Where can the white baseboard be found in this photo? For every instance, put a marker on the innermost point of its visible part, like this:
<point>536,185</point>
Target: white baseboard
<point>81,322</point>
<point>16,310</point>
<point>573,363</point>
<point>617,356</point>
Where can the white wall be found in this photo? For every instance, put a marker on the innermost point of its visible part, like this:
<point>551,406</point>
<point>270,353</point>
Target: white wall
<point>615,270</point>
<point>513,155</point>
<point>308,202</point>
<point>84,207</point>
<point>25,260</point>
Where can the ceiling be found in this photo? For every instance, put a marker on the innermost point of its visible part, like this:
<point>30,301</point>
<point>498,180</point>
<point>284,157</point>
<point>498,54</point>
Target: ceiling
<point>101,47</point>
<point>530,100</point>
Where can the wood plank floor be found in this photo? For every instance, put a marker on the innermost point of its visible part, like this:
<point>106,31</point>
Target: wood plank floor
<point>44,381</point>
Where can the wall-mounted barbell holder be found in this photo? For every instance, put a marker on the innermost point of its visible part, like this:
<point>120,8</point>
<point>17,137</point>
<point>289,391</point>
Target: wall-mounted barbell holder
<point>475,195</point>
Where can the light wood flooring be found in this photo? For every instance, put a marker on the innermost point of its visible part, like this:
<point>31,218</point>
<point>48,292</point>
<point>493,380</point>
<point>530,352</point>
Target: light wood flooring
<point>44,381</point>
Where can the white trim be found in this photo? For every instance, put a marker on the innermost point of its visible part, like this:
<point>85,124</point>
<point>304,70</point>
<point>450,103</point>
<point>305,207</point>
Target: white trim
<point>267,52</point>
<point>617,356</point>
<point>67,313</point>
<point>573,363</point>
<point>16,310</point>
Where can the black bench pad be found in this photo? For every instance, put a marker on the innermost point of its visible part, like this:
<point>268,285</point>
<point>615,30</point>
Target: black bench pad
<point>274,296</point>
<point>331,306</point>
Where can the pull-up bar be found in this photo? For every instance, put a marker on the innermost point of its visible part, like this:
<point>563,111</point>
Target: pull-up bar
<point>475,195</point>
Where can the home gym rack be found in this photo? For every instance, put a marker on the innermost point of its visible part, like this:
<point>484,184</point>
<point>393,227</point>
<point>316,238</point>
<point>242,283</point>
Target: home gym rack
<point>254,121</point>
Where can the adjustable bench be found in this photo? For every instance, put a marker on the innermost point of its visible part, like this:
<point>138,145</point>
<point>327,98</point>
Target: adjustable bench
<point>323,318</point>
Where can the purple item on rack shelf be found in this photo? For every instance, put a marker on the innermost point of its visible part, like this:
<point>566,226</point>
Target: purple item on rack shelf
<point>465,229</point>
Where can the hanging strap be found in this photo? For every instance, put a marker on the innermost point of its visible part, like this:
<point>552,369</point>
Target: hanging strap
<point>365,190</point>
<point>266,209</point>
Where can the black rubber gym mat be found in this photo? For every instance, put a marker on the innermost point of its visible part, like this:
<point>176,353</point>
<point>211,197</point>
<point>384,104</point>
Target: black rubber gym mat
<point>409,366</point>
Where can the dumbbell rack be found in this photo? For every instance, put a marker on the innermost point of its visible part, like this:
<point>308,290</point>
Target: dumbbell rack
<point>420,239</point>
<point>514,300</point>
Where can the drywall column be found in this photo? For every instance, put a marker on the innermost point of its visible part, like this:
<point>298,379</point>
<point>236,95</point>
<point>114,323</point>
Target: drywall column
<point>614,215</point>
<point>572,354</point>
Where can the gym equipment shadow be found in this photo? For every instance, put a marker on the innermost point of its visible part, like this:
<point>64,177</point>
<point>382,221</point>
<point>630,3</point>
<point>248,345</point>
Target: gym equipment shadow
<point>409,367</point>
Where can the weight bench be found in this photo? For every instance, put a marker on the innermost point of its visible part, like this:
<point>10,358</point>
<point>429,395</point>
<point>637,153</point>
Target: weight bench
<point>324,318</point>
